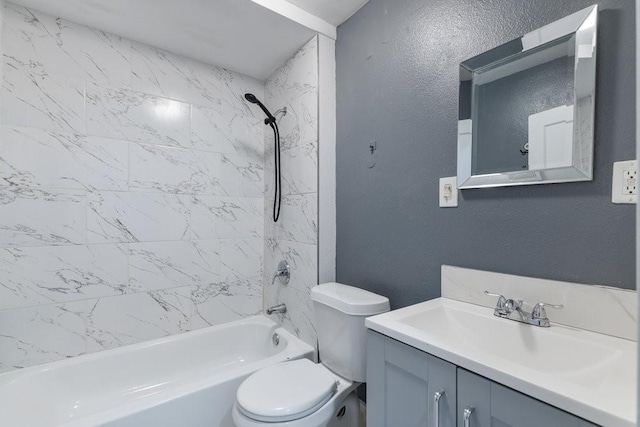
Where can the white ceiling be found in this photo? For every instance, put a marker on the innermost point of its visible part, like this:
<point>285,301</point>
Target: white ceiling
<point>247,36</point>
<point>335,12</point>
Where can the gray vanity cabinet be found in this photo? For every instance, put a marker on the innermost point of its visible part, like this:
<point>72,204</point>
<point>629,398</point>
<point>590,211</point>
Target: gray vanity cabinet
<point>492,405</point>
<point>404,385</point>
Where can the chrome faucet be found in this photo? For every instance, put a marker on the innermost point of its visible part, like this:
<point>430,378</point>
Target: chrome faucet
<point>280,308</point>
<point>283,273</point>
<point>538,316</point>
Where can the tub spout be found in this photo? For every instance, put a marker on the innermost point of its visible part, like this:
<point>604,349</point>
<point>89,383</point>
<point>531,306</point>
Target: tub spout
<point>280,308</point>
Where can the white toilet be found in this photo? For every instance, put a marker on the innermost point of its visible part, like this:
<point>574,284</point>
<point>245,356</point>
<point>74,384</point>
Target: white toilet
<point>301,393</point>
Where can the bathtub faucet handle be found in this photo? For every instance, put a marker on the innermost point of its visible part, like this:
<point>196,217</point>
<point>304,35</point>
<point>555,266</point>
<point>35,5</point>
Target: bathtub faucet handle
<point>283,273</point>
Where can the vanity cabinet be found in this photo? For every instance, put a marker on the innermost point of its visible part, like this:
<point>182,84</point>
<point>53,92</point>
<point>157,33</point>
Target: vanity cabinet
<point>407,387</point>
<point>403,385</point>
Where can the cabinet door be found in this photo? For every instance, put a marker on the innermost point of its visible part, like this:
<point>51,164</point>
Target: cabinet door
<point>402,383</point>
<point>511,408</point>
<point>442,382</point>
<point>474,397</point>
<point>493,405</point>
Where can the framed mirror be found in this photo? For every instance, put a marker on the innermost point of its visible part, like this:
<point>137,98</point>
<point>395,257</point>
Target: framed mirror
<point>526,108</point>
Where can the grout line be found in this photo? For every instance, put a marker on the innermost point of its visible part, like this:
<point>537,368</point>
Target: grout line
<point>137,191</point>
<point>127,246</point>
<point>116,243</point>
<point>86,217</point>
<point>129,163</point>
<point>100,297</point>
<point>86,133</point>
<point>318,109</point>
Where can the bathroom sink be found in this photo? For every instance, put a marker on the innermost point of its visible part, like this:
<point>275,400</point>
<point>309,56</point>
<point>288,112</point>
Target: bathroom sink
<point>588,374</point>
<point>547,350</point>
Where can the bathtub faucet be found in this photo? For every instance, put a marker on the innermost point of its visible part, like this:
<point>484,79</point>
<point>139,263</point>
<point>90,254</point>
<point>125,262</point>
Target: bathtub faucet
<point>283,273</point>
<point>280,308</point>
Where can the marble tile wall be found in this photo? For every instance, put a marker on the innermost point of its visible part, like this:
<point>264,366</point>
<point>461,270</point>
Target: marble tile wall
<point>294,237</point>
<point>131,191</point>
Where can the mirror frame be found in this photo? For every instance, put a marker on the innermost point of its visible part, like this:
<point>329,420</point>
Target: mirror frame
<point>582,24</point>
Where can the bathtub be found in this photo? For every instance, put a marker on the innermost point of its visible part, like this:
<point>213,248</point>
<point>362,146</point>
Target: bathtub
<point>186,380</point>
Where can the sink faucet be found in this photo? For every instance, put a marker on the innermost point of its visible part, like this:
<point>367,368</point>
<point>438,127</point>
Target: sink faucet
<point>516,306</point>
<point>280,308</point>
<point>538,316</point>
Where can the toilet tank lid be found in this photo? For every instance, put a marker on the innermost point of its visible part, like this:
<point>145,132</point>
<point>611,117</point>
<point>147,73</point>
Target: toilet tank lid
<point>350,300</point>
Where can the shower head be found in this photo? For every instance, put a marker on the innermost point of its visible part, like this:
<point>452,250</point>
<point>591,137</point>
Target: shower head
<point>252,99</point>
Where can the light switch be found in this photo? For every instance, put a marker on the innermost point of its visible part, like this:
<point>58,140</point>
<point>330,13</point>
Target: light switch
<point>449,192</point>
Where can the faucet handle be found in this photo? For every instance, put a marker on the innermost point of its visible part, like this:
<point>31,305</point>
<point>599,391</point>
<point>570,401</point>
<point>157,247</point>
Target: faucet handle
<point>539,311</point>
<point>283,272</point>
<point>491,294</point>
<point>501,305</point>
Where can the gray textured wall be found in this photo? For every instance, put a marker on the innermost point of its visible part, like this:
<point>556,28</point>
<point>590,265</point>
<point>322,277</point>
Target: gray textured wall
<point>397,83</point>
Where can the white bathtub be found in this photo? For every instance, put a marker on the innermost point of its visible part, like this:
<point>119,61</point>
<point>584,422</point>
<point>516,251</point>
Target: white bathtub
<point>186,380</point>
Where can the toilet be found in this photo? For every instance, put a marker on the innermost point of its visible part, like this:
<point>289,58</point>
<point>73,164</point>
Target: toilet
<point>300,393</point>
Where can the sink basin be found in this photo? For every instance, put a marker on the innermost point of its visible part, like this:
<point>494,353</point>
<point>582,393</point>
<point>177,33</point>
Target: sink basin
<point>588,374</point>
<point>548,350</point>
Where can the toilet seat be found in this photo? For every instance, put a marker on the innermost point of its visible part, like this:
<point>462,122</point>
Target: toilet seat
<point>286,391</point>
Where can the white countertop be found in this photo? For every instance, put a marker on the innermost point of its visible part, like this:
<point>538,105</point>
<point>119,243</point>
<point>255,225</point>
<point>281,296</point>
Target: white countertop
<point>587,374</point>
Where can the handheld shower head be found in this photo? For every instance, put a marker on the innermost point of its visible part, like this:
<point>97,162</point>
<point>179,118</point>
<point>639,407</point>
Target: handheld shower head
<point>271,121</point>
<point>252,99</point>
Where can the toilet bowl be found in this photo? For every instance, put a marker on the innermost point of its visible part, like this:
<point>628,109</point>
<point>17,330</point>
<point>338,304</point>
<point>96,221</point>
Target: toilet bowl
<point>301,393</point>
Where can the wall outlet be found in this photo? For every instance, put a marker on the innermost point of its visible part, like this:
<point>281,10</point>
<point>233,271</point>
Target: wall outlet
<point>630,181</point>
<point>449,192</point>
<point>624,187</point>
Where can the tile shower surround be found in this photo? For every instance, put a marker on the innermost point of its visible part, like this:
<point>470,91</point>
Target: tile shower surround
<point>295,236</point>
<point>132,190</point>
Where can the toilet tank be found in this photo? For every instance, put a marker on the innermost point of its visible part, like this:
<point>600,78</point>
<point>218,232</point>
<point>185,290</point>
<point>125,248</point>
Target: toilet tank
<point>340,311</point>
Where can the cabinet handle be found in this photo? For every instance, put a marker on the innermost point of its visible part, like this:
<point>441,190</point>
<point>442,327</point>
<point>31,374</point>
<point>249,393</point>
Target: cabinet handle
<point>436,407</point>
<point>466,415</point>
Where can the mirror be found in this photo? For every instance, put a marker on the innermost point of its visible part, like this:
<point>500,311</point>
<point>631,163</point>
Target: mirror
<point>526,108</point>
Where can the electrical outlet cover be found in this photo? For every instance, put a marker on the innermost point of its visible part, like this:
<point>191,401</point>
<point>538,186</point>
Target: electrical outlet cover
<point>449,192</point>
<point>624,187</point>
